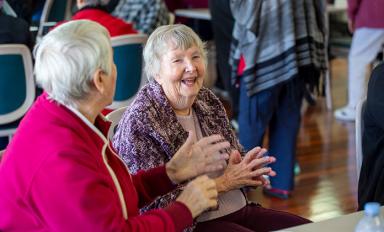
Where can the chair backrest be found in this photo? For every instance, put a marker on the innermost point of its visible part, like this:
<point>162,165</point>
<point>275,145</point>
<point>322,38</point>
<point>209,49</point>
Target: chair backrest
<point>127,54</point>
<point>359,127</point>
<point>171,18</point>
<point>54,11</point>
<point>17,85</point>
<point>115,117</point>
<point>7,9</point>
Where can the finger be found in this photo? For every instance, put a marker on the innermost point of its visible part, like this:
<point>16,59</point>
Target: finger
<point>215,166</point>
<point>251,155</point>
<point>258,163</point>
<point>190,140</point>
<point>214,158</point>
<point>200,180</point>
<point>210,139</point>
<point>261,171</point>
<point>264,180</point>
<point>216,147</point>
<point>235,157</point>
<point>254,183</point>
<point>262,153</point>
<point>212,203</point>
<point>212,193</point>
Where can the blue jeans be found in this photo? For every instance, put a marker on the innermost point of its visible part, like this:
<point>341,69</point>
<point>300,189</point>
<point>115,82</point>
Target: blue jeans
<point>276,109</point>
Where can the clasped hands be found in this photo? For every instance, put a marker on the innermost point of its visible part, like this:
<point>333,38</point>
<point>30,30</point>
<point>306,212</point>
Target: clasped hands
<point>207,155</point>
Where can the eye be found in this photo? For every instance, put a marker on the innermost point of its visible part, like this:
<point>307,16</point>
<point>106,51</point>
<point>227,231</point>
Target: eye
<point>196,57</point>
<point>176,61</point>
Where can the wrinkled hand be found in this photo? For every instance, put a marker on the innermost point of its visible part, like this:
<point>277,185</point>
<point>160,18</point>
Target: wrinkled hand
<point>246,172</point>
<point>197,158</point>
<point>199,195</point>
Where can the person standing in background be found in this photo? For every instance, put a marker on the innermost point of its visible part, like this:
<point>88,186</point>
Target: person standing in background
<point>222,26</point>
<point>145,15</point>
<point>95,10</point>
<point>366,22</point>
<point>277,56</point>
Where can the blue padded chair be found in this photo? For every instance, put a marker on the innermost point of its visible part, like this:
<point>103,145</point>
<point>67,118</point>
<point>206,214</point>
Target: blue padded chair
<point>54,11</point>
<point>127,54</point>
<point>17,86</point>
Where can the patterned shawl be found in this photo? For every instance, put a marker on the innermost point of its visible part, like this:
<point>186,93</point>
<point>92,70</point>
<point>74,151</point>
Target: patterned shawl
<point>276,37</point>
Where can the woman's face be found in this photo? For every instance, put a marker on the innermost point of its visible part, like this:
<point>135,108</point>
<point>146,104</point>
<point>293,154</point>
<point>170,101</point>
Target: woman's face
<point>181,76</point>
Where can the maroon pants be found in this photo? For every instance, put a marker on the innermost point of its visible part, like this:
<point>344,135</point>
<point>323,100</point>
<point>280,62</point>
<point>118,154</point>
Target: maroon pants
<point>252,217</point>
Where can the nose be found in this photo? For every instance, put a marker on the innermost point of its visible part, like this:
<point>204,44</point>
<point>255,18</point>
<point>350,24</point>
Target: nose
<point>189,66</point>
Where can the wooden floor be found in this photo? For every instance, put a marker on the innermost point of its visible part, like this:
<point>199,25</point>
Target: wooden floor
<point>326,186</point>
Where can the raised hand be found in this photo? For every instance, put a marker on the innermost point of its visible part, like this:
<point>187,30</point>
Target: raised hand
<point>199,195</point>
<point>197,158</point>
<point>248,171</point>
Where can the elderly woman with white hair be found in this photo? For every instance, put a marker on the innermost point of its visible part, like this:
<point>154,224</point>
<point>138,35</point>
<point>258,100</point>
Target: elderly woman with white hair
<point>174,107</point>
<point>59,173</point>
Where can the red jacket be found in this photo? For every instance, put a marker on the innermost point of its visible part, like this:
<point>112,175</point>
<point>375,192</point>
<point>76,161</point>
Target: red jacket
<point>60,174</point>
<point>366,13</point>
<point>114,25</point>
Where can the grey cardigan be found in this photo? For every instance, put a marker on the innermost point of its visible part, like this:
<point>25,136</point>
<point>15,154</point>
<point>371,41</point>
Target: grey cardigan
<point>149,133</point>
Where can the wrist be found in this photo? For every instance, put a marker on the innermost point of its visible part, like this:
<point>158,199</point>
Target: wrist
<point>171,173</point>
<point>221,184</point>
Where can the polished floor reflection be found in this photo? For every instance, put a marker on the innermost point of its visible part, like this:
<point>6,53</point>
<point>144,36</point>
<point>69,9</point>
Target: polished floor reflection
<point>327,184</point>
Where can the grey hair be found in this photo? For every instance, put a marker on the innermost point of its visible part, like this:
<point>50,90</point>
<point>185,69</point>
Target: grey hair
<point>67,58</point>
<point>176,36</point>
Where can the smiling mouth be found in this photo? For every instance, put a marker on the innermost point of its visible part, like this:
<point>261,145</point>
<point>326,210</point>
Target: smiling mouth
<point>189,81</point>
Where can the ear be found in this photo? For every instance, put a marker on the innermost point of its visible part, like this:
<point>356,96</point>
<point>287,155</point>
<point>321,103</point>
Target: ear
<point>98,80</point>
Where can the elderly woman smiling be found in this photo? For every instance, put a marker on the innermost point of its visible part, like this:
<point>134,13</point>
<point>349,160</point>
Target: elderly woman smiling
<point>175,107</point>
<point>59,172</point>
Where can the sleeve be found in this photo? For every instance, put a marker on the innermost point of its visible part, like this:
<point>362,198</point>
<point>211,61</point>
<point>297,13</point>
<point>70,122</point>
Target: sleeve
<point>152,183</point>
<point>73,193</point>
<point>353,9</point>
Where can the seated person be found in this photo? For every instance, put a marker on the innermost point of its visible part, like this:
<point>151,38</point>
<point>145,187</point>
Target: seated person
<point>95,10</point>
<point>175,102</point>
<point>14,30</point>
<point>59,173</point>
<point>146,15</point>
<point>371,186</point>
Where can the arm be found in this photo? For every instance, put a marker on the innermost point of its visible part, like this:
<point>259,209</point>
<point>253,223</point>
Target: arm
<point>353,9</point>
<point>74,193</point>
<point>141,153</point>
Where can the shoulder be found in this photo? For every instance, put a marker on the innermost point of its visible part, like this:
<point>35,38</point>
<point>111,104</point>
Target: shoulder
<point>145,110</point>
<point>208,101</point>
